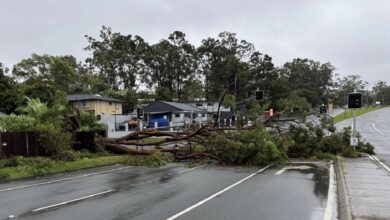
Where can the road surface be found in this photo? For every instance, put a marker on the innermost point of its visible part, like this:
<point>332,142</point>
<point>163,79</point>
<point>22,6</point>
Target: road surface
<point>298,191</point>
<point>375,128</point>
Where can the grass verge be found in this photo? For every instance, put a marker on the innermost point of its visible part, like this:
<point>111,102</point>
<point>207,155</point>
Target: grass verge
<point>348,114</point>
<point>21,167</point>
<point>39,166</point>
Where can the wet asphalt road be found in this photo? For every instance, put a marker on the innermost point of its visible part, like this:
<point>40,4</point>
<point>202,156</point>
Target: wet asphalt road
<point>119,192</point>
<point>375,128</point>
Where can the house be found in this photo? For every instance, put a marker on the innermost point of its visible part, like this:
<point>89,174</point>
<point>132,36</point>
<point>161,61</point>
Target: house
<point>225,113</point>
<point>164,114</point>
<point>97,104</point>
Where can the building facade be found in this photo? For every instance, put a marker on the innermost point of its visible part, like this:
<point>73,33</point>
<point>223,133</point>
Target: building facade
<point>96,104</point>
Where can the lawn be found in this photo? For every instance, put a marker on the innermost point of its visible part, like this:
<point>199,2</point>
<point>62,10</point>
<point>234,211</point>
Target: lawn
<point>348,114</point>
<point>27,167</point>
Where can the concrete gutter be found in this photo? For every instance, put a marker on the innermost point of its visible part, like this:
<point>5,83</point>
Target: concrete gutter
<point>344,206</point>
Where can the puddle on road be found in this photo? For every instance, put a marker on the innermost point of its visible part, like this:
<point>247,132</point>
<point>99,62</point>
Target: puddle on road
<point>319,175</point>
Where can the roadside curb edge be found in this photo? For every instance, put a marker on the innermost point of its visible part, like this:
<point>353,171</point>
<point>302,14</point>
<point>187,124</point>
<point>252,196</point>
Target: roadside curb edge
<point>344,206</point>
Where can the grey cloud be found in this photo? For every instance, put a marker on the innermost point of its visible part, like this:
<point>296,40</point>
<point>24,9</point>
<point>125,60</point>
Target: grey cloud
<point>352,35</point>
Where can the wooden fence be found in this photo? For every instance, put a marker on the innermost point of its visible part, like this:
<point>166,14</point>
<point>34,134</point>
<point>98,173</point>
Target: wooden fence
<point>27,144</point>
<point>19,143</point>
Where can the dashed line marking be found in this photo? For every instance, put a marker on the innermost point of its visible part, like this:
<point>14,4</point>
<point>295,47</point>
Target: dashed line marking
<point>61,180</point>
<point>216,194</point>
<point>72,201</point>
<point>197,167</point>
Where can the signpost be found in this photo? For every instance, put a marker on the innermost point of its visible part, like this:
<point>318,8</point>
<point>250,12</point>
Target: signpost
<point>354,102</point>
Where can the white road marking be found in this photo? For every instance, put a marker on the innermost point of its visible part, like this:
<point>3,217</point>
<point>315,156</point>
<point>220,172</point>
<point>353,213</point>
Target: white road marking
<point>376,129</point>
<point>331,194</point>
<point>280,171</point>
<point>183,171</point>
<point>72,201</point>
<point>61,180</point>
<point>215,195</point>
<point>374,158</point>
<point>303,167</point>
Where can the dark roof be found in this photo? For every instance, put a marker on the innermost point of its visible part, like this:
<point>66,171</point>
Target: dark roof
<point>163,106</point>
<point>205,101</point>
<point>2,114</point>
<point>83,97</point>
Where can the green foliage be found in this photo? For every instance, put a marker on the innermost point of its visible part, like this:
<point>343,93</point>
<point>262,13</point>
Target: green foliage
<point>252,147</point>
<point>19,167</point>
<point>89,122</point>
<point>18,123</point>
<point>349,114</point>
<point>155,160</point>
<point>55,141</point>
<point>295,102</point>
<point>58,71</point>
<point>8,88</point>
<point>40,118</point>
<point>71,155</point>
<point>310,141</point>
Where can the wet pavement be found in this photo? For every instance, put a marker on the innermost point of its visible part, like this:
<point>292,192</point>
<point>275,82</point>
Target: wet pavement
<point>299,191</point>
<point>375,128</point>
<point>368,179</point>
<point>368,187</point>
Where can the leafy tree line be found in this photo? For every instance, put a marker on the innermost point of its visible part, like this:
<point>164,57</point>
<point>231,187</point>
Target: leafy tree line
<point>127,67</point>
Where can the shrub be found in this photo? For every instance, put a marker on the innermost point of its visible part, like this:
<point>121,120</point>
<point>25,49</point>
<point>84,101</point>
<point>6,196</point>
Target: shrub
<point>55,141</point>
<point>155,160</point>
<point>252,147</point>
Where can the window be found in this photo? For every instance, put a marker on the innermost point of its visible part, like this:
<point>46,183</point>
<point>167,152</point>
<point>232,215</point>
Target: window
<point>116,105</point>
<point>84,103</point>
<point>199,104</point>
<point>110,103</point>
<point>210,104</point>
<point>194,115</point>
<point>177,115</point>
<point>203,115</point>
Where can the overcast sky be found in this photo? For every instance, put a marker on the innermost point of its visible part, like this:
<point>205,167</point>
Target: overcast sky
<point>353,35</point>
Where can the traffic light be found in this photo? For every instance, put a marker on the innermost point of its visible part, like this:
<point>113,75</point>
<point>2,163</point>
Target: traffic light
<point>259,95</point>
<point>322,109</point>
<point>355,100</point>
<point>140,113</point>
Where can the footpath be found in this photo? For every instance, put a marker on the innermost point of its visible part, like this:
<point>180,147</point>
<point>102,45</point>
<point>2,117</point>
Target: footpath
<point>363,186</point>
<point>364,189</point>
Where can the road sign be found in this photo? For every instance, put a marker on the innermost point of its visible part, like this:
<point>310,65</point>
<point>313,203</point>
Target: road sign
<point>355,100</point>
<point>354,141</point>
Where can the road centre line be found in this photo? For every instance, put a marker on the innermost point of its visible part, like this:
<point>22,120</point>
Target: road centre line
<point>216,194</point>
<point>62,180</point>
<point>193,168</point>
<point>72,201</point>
<point>331,194</point>
<point>376,129</point>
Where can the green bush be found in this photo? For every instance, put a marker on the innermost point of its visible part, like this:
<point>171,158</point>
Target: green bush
<point>155,160</point>
<point>3,175</point>
<point>55,141</point>
<point>252,147</point>
<point>70,155</point>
